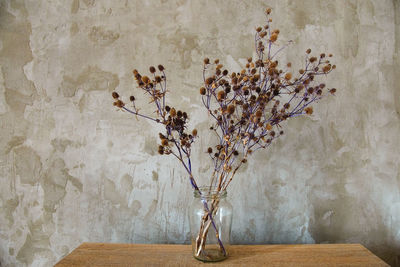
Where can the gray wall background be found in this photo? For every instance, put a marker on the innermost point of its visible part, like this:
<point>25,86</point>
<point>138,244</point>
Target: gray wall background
<point>73,169</point>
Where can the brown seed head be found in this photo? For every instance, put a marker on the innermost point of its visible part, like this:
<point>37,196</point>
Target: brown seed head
<point>152,69</point>
<point>119,103</point>
<point>309,110</point>
<point>231,109</point>
<point>145,79</point>
<point>132,98</point>
<point>209,81</point>
<point>273,37</point>
<point>326,68</point>
<point>288,76</point>
<point>308,51</point>
<point>172,112</point>
<point>206,61</point>
<point>115,95</point>
<point>221,95</point>
<point>194,132</point>
<point>164,142</point>
<point>161,68</point>
<point>157,79</point>
<point>202,91</point>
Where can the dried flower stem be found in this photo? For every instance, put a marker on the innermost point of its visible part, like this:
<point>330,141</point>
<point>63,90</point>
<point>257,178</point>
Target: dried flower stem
<point>247,107</point>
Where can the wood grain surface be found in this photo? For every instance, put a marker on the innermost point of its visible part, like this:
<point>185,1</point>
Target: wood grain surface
<point>101,254</point>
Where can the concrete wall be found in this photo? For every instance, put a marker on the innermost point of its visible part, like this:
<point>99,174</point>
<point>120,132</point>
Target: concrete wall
<point>73,169</point>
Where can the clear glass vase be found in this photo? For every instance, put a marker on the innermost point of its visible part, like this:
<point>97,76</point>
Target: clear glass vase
<point>210,219</point>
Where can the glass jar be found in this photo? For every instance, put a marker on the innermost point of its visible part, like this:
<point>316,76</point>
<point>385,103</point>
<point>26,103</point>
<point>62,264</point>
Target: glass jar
<point>210,219</point>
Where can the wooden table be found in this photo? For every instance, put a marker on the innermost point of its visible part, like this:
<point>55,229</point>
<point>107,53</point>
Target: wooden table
<point>100,254</point>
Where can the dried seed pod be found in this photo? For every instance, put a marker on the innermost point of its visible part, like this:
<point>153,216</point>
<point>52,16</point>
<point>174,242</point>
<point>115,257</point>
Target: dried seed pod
<point>309,110</point>
<point>221,95</point>
<point>231,109</point>
<point>119,103</point>
<point>164,142</point>
<point>115,95</point>
<point>145,79</point>
<point>172,112</point>
<point>273,37</point>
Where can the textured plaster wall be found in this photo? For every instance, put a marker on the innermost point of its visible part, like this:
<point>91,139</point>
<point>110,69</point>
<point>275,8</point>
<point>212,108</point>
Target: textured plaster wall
<point>73,169</point>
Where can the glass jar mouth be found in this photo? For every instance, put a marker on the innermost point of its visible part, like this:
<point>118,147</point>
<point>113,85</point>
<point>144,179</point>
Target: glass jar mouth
<point>209,192</point>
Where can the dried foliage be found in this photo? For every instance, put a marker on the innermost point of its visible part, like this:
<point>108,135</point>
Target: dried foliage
<point>247,108</point>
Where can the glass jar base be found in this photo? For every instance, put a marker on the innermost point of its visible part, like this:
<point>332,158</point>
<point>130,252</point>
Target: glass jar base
<point>211,255</point>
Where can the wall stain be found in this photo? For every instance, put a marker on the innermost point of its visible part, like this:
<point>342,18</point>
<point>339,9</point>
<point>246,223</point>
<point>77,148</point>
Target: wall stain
<point>101,36</point>
<point>37,241</point>
<point>75,6</point>
<point>89,3</point>
<point>74,29</point>
<point>183,44</point>
<point>150,145</point>
<point>14,142</point>
<point>150,212</point>
<point>155,176</point>
<point>136,206</point>
<point>61,144</point>
<point>9,208</point>
<point>54,183</point>
<point>15,54</point>
<point>27,165</point>
<point>111,193</point>
<point>91,79</point>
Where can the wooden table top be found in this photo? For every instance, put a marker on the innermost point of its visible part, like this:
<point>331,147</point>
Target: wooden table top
<point>101,254</point>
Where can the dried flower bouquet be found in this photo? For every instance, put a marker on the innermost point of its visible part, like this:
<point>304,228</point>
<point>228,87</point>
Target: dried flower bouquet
<point>247,110</point>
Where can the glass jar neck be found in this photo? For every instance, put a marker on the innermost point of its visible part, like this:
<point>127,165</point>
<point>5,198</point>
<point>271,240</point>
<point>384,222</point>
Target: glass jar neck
<point>209,192</point>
